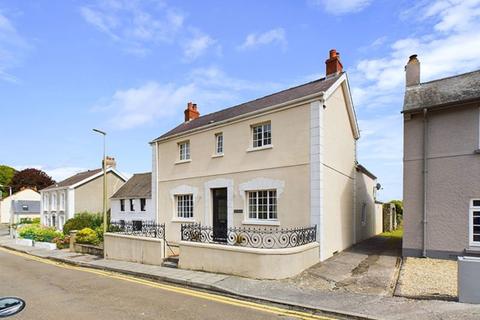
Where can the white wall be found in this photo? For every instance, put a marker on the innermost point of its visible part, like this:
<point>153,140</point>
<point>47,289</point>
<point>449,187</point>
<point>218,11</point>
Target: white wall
<point>128,215</point>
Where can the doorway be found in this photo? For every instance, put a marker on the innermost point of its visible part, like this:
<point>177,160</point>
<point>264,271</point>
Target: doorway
<point>220,223</point>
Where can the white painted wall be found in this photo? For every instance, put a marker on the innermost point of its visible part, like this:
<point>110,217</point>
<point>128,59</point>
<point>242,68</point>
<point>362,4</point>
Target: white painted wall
<point>6,203</point>
<point>127,215</point>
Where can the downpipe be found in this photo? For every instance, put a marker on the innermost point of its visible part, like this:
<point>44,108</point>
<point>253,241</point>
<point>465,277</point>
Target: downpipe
<point>425,184</point>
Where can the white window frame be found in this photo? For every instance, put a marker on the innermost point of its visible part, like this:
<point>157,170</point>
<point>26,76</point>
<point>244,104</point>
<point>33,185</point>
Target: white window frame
<point>54,202</point>
<point>62,201</point>
<point>184,150</point>
<point>219,147</point>
<point>471,225</point>
<point>122,205</point>
<point>182,203</point>
<point>45,202</point>
<point>268,198</point>
<point>259,139</point>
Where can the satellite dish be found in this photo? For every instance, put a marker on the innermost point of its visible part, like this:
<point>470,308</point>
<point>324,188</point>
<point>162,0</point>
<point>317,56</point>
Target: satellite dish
<point>378,186</point>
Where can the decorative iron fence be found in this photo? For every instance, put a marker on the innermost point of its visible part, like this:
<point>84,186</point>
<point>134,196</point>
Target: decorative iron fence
<point>265,238</point>
<point>149,229</point>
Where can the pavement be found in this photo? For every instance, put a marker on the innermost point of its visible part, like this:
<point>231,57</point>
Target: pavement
<point>350,304</point>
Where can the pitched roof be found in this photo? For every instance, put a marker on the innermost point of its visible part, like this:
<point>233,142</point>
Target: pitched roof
<point>74,179</point>
<point>297,92</point>
<point>457,89</point>
<point>31,206</point>
<point>138,186</point>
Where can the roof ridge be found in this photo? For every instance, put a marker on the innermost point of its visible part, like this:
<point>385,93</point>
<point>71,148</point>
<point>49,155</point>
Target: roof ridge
<point>450,77</point>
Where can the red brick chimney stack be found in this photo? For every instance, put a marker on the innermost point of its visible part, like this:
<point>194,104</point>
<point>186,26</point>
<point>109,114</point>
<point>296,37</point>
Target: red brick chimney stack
<point>191,112</point>
<point>333,64</point>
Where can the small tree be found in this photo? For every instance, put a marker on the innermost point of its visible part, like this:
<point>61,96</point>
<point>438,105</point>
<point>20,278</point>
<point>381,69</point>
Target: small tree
<point>6,175</point>
<point>31,178</point>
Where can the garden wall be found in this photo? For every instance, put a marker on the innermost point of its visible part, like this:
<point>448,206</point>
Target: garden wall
<point>134,249</point>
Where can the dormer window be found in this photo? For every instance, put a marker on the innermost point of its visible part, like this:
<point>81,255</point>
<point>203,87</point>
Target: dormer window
<point>184,150</point>
<point>262,135</point>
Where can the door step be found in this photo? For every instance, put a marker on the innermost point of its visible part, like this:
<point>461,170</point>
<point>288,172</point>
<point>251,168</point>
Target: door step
<point>170,262</point>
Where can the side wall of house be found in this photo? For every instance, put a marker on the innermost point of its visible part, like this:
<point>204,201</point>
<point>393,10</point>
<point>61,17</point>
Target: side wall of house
<point>89,196</point>
<point>453,166</point>
<point>368,213</point>
<point>284,167</point>
<point>339,173</point>
<point>6,203</point>
<point>128,215</point>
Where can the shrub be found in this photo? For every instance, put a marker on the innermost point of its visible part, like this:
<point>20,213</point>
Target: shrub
<point>29,221</point>
<point>82,220</point>
<point>62,241</point>
<point>39,233</point>
<point>87,236</point>
<point>99,231</point>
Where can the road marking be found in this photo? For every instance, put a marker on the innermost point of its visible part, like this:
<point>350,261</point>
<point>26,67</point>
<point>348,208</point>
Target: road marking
<point>180,290</point>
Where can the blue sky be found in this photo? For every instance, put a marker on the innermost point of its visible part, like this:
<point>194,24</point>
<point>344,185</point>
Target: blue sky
<point>130,67</point>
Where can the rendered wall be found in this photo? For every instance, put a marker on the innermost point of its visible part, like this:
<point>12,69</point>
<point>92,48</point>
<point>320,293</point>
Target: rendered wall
<point>248,262</point>
<point>134,249</point>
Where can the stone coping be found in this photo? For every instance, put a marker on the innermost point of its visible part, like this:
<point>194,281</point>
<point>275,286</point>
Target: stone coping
<point>261,251</point>
<point>128,236</point>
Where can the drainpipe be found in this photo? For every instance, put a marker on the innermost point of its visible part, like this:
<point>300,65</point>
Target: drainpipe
<point>425,184</point>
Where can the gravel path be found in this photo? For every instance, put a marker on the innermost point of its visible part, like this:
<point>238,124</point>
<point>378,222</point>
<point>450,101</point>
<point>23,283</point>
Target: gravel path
<point>428,279</point>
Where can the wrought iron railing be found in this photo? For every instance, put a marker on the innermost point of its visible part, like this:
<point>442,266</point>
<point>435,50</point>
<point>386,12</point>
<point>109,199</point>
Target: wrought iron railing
<point>149,229</point>
<point>266,238</point>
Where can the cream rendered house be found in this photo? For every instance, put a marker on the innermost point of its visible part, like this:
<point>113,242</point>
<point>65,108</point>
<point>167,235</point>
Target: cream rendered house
<point>78,193</point>
<point>441,189</point>
<point>287,160</point>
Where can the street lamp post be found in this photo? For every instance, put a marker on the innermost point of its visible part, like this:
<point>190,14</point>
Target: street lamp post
<point>11,211</point>
<point>104,167</point>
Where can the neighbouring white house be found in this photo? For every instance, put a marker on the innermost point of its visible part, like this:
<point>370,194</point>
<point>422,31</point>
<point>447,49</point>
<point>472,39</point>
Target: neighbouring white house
<point>78,193</point>
<point>22,204</point>
<point>133,201</point>
<point>269,187</point>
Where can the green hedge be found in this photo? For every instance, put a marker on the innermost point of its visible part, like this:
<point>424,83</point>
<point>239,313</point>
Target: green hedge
<point>83,220</point>
<point>39,233</point>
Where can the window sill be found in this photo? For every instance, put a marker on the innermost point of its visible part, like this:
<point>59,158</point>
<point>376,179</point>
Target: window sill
<point>217,155</point>
<point>252,149</point>
<point>183,220</point>
<point>262,223</point>
<point>183,161</point>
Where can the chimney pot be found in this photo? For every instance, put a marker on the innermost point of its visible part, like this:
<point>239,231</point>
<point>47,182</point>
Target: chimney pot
<point>333,64</point>
<point>412,71</point>
<point>191,112</point>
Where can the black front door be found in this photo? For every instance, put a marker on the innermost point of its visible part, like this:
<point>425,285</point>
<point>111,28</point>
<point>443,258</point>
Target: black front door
<point>219,197</point>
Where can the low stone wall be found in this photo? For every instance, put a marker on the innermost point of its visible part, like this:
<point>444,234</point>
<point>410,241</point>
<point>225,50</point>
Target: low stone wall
<point>248,262</point>
<point>88,249</point>
<point>134,249</point>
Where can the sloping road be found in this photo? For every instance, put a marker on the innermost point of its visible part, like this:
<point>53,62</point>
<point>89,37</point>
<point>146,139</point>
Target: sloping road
<point>57,291</point>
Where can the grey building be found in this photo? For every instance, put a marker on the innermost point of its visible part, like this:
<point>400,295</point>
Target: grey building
<point>441,189</point>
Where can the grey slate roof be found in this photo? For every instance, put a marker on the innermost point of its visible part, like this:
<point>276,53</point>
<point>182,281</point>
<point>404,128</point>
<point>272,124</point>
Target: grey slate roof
<point>138,186</point>
<point>457,89</point>
<point>74,179</point>
<point>32,206</point>
<point>297,92</point>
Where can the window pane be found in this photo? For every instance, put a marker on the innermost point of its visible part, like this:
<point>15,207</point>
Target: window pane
<point>476,213</point>
<point>476,203</point>
<point>476,229</point>
<point>272,197</point>
<point>476,238</point>
<point>476,220</point>
<point>252,205</point>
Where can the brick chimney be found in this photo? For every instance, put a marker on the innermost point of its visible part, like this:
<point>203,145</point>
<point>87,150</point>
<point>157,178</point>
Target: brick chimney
<point>412,71</point>
<point>334,66</point>
<point>110,161</point>
<point>191,112</point>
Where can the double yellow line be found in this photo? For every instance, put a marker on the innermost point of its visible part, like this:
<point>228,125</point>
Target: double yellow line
<point>189,292</point>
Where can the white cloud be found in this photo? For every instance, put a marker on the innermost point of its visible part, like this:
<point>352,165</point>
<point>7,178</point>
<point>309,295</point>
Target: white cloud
<point>13,48</point>
<point>339,7</point>
<point>151,102</point>
<point>135,24</point>
<point>197,46</point>
<point>275,36</point>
